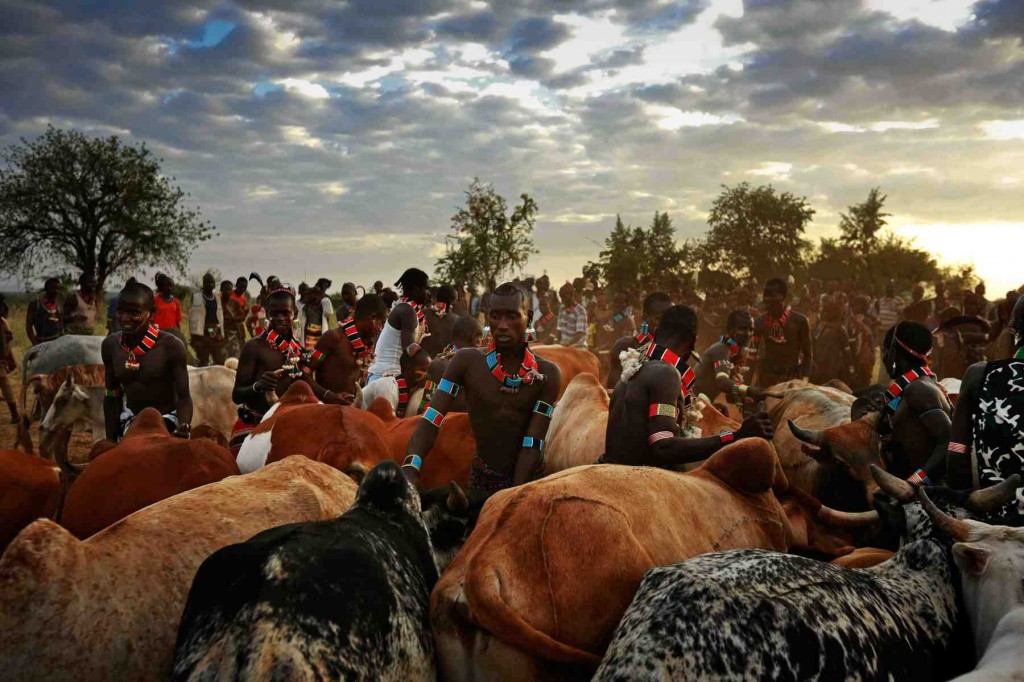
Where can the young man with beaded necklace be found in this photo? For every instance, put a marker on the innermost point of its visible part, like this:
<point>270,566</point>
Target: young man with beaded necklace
<point>655,305</point>
<point>643,419</point>
<point>717,369</point>
<point>143,368</point>
<point>509,395</point>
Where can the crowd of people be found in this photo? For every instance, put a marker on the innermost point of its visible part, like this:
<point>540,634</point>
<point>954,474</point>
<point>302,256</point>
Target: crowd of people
<point>413,336</point>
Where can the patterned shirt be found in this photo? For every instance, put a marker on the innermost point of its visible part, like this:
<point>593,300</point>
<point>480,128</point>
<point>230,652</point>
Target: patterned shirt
<point>572,322</point>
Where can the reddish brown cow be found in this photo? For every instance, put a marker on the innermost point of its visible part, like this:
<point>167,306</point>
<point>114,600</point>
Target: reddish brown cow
<point>452,455</point>
<point>147,466</point>
<point>570,361</point>
<point>29,490</point>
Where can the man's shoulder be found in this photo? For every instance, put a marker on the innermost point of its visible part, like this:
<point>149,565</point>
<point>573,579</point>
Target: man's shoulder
<point>716,351</point>
<point>797,316</point>
<point>658,371</point>
<point>922,390</point>
<point>548,367</point>
<point>625,342</point>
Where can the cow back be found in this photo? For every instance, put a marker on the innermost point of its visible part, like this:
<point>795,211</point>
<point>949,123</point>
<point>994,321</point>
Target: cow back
<point>29,488</point>
<point>108,607</point>
<point>347,438</point>
<point>571,362</point>
<point>576,435</point>
<point>552,565</point>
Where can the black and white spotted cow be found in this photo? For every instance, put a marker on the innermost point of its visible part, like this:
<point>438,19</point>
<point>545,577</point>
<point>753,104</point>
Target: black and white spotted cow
<point>340,599</point>
<point>754,614</point>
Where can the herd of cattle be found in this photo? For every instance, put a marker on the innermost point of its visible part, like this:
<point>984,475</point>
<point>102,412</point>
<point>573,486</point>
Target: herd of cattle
<point>310,557</point>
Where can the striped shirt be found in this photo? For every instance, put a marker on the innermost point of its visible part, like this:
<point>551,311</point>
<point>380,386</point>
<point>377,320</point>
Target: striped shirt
<point>888,311</point>
<point>572,322</point>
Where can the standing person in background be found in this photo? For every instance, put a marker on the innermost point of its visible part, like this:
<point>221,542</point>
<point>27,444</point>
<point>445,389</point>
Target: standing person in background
<point>234,319</point>
<point>312,320</point>
<point>572,319</point>
<point>461,300</point>
<point>781,344</point>
<point>167,314</point>
<point>44,319</point>
<point>938,304</point>
<point>440,321</point>
<point>256,319</point>
<point>888,311</point>
<point>918,308</point>
<point>7,363</point>
<point>323,285</point>
<point>206,324</point>
<point>82,308</point>
<point>348,301</point>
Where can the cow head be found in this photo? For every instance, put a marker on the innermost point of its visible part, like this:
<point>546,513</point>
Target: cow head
<point>70,404</point>
<point>449,515</point>
<point>852,448</point>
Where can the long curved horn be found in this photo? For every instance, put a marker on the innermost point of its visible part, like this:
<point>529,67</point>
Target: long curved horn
<point>955,528</point>
<point>457,501</point>
<point>995,496</point>
<point>896,487</point>
<point>842,519</point>
<point>808,435</point>
<point>72,471</point>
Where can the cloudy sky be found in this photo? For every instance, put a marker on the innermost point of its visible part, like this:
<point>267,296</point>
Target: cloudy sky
<point>327,137</point>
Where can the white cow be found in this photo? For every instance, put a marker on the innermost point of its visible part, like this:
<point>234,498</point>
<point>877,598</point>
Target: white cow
<point>991,562</point>
<point>210,387</point>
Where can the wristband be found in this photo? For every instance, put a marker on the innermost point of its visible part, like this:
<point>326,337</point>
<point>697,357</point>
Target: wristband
<point>256,387</point>
<point>662,410</point>
<point>543,408</point>
<point>327,393</point>
<point>412,350</point>
<point>660,435</point>
<point>112,393</point>
<point>919,477</point>
<point>958,448</point>
<point>727,437</point>
<point>433,416</point>
<point>413,462</point>
<point>449,387</point>
<point>529,442</point>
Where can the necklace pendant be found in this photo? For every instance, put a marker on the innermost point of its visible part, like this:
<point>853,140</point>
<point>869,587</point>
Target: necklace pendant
<point>131,363</point>
<point>512,390</point>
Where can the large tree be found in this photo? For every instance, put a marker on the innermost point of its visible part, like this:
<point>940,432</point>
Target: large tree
<point>862,223</point>
<point>489,242</point>
<point>756,231</point>
<point>642,258</point>
<point>95,204</point>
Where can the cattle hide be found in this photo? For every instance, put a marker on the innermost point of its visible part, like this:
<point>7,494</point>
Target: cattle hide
<point>571,362</point>
<point>29,490</point>
<point>108,607</point>
<point>338,599</point>
<point>452,455</point>
<point>552,565</point>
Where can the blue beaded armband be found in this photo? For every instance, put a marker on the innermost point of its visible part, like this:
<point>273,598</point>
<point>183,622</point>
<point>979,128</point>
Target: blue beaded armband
<point>449,387</point>
<point>531,442</point>
<point>413,461</point>
<point>542,408</point>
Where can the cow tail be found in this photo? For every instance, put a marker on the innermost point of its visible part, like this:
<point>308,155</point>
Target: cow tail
<point>490,610</point>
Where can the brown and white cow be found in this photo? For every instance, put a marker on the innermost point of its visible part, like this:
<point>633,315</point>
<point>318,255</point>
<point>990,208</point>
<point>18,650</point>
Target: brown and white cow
<point>571,362</point>
<point>580,421</point>
<point>552,565</point>
<point>108,607</point>
<point>452,455</point>
<point>351,440</point>
<point>147,466</point>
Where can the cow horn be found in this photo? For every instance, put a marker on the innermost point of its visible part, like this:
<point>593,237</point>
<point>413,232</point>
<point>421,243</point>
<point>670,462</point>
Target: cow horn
<point>844,519</point>
<point>457,501</point>
<point>955,528</point>
<point>60,453</point>
<point>895,487</point>
<point>808,435</point>
<point>994,496</point>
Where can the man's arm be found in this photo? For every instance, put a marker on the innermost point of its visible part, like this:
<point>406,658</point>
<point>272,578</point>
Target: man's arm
<point>112,400</point>
<point>423,437</point>
<point>959,468</point>
<point>807,357</point>
<point>30,313</point>
<point>246,388</point>
<point>327,345</point>
<point>923,400</point>
<point>532,450</point>
<point>406,316</point>
<point>179,369</point>
<point>69,306</point>
<point>615,364</point>
<point>669,450</point>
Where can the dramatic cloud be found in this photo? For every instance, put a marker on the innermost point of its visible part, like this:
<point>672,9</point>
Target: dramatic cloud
<point>336,138</point>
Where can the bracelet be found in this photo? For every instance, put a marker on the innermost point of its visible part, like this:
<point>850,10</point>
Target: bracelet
<point>327,393</point>
<point>727,437</point>
<point>662,410</point>
<point>659,435</point>
<point>256,388</point>
<point>413,349</point>
<point>433,416</point>
<point>413,462</point>
<point>958,448</point>
<point>450,387</point>
<point>112,393</point>
<point>919,477</point>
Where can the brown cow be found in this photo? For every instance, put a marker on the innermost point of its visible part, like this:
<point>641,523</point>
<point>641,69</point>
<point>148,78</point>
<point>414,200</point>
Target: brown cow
<point>863,557</point>
<point>452,455</point>
<point>147,466</point>
<point>351,440</point>
<point>543,580</point>
<point>107,608</point>
<point>29,490</point>
<point>578,425</point>
<point>570,361</point>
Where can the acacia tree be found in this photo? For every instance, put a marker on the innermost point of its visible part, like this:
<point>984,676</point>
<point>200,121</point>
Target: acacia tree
<point>488,241</point>
<point>96,204</point>
<point>645,258</point>
<point>756,231</point>
<point>862,223</point>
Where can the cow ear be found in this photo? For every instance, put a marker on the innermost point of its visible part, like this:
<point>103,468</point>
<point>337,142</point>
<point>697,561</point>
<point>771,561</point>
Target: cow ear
<point>860,407</point>
<point>971,558</point>
<point>820,455</point>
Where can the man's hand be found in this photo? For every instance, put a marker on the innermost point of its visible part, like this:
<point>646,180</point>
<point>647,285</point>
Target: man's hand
<point>755,393</point>
<point>267,380</point>
<point>332,398</point>
<point>756,426</point>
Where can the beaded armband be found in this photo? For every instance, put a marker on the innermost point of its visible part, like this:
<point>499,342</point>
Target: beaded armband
<point>662,410</point>
<point>727,437</point>
<point>529,442</point>
<point>433,416</point>
<point>112,393</point>
<point>542,408</point>
<point>659,435</point>
<point>958,448</point>
<point>413,462</point>
<point>919,477</point>
<point>449,387</point>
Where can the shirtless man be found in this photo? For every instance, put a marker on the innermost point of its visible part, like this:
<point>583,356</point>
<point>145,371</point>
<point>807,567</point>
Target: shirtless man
<point>985,445</point>
<point>509,394</point>
<point>143,368</point>
<point>82,308</point>
<point>781,341</point>
<point>914,424</point>
<point>44,318</point>
<point>646,408</point>
<point>269,362</point>
<point>338,362</point>
<point>398,353</point>
<point>466,333</point>
<point>721,366</point>
<point>654,306</point>
<point>440,320</point>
